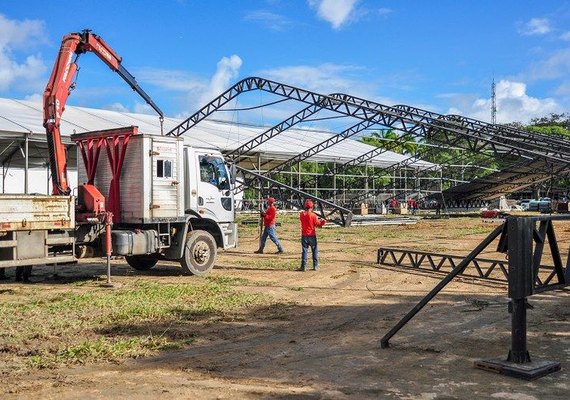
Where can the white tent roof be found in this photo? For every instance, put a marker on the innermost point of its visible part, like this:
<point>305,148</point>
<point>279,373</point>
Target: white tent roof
<point>19,117</point>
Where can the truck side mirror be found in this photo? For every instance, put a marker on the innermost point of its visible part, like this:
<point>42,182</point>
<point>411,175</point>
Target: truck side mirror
<point>233,173</point>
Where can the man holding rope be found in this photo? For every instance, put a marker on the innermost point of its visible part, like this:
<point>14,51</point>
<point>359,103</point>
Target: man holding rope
<point>269,220</point>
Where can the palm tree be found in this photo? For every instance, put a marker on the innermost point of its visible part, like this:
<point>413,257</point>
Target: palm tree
<point>390,140</point>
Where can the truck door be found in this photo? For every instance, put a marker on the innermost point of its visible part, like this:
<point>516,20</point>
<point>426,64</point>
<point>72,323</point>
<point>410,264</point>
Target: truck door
<point>214,190</point>
<point>165,179</point>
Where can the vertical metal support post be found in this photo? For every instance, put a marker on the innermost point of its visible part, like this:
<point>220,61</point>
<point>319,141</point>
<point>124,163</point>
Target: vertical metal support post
<point>521,283</point>
<point>107,219</point>
<point>520,239</point>
<point>291,182</point>
<point>299,175</point>
<point>316,180</point>
<point>26,165</point>
<point>518,353</point>
<point>567,269</point>
<point>366,190</point>
<point>108,245</point>
<point>406,181</point>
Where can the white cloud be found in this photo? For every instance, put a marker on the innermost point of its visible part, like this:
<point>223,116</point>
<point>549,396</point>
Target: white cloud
<point>15,37</point>
<point>565,36</point>
<point>35,97</point>
<point>556,66</point>
<point>269,19</point>
<point>535,27</point>
<point>117,107</point>
<point>227,70</point>
<point>197,90</point>
<point>171,79</point>
<point>563,89</point>
<point>143,108</point>
<point>138,108</point>
<point>513,104</point>
<point>337,12</point>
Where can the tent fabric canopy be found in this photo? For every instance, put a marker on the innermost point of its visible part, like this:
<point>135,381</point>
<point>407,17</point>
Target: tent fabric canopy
<point>21,118</point>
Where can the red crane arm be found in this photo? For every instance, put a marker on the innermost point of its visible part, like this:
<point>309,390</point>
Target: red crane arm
<point>59,87</point>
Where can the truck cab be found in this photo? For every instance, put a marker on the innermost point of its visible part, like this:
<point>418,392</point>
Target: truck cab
<point>208,192</point>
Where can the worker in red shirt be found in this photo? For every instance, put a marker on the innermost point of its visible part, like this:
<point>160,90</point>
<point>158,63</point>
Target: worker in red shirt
<point>269,218</point>
<point>309,220</point>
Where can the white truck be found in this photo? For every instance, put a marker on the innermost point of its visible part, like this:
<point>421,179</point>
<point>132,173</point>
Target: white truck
<point>176,203</point>
<point>164,200</point>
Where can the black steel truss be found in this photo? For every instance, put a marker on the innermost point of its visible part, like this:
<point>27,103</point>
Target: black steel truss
<point>353,130</point>
<point>472,135</point>
<point>517,177</point>
<point>480,268</point>
<point>528,139</point>
<point>347,133</point>
<point>273,131</point>
<point>477,139</point>
<point>391,117</point>
<point>541,138</point>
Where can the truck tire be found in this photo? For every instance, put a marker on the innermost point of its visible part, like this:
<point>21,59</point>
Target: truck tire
<point>199,253</point>
<point>142,262</point>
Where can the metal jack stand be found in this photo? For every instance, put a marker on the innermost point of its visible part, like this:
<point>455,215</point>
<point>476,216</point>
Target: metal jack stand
<point>518,363</point>
<point>524,243</point>
<point>521,284</point>
<point>108,221</point>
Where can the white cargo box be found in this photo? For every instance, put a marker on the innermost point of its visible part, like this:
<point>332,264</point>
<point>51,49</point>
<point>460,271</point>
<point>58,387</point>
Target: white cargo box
<point>151,179</point>
<point>35,212</point>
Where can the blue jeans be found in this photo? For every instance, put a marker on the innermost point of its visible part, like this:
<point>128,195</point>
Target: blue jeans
<point>269,231</point>
<point>306,242</point>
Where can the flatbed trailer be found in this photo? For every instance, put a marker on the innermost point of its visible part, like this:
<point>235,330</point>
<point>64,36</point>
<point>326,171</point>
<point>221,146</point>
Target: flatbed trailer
<point>36,230</point>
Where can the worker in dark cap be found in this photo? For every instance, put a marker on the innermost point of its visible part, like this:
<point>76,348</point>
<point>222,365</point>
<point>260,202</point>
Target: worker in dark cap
<point>269,220</point>
<point>309,221</point>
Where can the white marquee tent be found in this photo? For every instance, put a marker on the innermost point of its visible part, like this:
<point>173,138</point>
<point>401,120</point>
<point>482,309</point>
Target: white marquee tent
<point>21,133</point>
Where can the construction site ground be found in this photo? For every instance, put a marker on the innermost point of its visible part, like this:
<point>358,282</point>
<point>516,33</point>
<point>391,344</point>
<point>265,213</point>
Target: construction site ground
<point>311,335</point>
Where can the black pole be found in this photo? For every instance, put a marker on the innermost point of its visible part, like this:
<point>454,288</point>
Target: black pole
<point>519,353</point>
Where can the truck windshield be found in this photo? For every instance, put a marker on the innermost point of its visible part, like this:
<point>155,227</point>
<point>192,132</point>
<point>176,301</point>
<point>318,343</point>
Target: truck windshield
<point>213,170</point>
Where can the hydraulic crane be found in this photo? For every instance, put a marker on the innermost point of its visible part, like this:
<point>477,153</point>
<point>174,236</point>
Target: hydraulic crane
<point>60,85</point>
<point>166,200</point>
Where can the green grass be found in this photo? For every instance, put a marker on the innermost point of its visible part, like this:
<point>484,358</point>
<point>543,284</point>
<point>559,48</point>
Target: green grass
<point>270,263</point>
<point>39,329</point>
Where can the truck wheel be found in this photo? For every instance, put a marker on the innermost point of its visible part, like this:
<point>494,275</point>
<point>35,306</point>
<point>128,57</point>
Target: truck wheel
<point>142,262</point>
<point>199,253</point>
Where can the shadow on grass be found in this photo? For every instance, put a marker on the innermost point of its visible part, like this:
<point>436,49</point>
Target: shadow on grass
<point>336,348</point>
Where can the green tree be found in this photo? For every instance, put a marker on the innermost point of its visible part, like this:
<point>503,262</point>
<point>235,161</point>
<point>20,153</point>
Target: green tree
<point>390,140</point>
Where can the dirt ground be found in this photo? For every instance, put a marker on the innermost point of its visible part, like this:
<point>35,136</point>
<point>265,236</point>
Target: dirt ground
<point>321,339</point>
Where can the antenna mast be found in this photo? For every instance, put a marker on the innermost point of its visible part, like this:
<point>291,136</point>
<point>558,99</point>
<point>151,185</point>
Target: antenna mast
<point>493,103</point>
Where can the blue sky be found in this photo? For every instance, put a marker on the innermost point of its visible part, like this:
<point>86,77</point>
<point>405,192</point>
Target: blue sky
<point>440,55</point>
